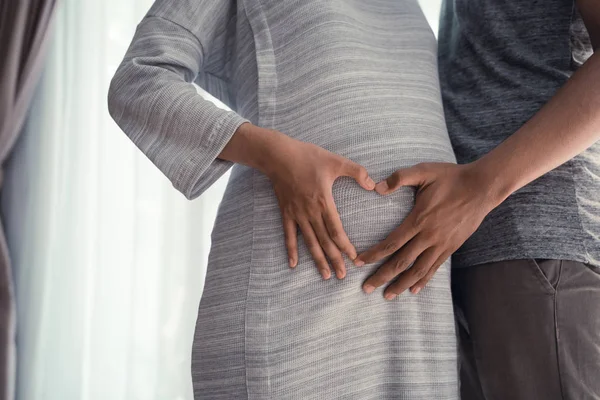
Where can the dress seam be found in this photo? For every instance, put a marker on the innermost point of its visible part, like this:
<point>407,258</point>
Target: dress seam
<point>252,243</point>
<point>267,84</point>
<point>248,286</point>
<point>265,116</point>
<point>266,112</point>
<point>266,100</point>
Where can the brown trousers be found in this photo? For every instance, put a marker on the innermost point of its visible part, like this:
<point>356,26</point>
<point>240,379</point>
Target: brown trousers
<point>528,330</point>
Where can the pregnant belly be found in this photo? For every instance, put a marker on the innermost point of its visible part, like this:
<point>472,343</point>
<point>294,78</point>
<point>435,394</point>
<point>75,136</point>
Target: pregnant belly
<point>381,145</point>
<point>383,136</point>
<point>367,218</point>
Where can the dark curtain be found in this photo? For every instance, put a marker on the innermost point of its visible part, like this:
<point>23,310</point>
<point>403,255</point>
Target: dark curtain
<point>24,26</point>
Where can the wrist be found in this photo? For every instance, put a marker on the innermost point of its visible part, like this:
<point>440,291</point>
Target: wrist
<point>260,148</point>
<point>491,182</point>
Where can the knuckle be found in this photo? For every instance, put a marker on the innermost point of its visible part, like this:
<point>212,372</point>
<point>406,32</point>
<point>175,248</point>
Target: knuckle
<point>333,252</point>
<point>420,272</point>
<point>311,209</point>
<point>425,280</point>
<point>400,265</point>
<point>309,203</point>
<point>438,237</point>
<point>318,242</point>
<point>419,223</point>
<point>386,275</point>
<point>349,164</point>
<point>336,234</point>
<point>314,248</point>
<point>326,244</point>
<point>337,260</point>
<point>321,202</point>
<point>361,171</point>
<point>390,247</point>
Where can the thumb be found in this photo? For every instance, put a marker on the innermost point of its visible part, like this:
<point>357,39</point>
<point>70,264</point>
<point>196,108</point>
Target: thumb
<point>360,175</point>
<point>413,176</point>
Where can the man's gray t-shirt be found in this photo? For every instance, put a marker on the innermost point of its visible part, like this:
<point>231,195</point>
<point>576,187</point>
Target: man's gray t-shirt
<point>500,61</point>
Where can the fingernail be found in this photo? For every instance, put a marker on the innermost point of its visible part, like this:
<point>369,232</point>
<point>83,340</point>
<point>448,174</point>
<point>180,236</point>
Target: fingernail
<point>368,289</point>
<point>381,187</point>
<point>416,290</point>
<point>291,261</point>
<point>341,275</point>
<point>327,276</point>
<point>359,263</point>
<point>371,182</point>
<point>390,296</point>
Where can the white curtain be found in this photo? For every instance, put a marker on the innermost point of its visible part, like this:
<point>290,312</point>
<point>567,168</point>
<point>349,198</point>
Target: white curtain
<point>109,259</point>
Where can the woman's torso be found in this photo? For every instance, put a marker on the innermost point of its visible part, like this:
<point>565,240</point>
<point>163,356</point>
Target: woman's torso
<point>356,78</point>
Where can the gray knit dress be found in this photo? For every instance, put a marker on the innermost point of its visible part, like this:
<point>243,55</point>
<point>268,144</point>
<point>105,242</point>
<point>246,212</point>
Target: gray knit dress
<point>356,77</point>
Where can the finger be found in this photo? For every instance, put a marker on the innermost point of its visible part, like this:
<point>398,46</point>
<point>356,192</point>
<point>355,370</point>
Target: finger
<point>395,240</point>
<point>330,248</point>
<point>417,272</point>
<point>416,288</point>
<point>315,248</point>
<point>359,173</point>
<point>413,176</point>
<point>291,240</point>
<point>394,266</point>
<point>336,231</point>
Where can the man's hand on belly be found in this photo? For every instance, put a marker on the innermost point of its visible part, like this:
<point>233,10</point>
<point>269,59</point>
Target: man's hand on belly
<point>450,204</point>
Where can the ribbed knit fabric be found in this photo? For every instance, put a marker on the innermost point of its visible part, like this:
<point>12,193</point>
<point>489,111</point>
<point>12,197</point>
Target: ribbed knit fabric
<point>356,77</point>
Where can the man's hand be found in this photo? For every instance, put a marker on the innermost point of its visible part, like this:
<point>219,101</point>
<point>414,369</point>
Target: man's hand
<point>450,204</point>
<point>452,200</point>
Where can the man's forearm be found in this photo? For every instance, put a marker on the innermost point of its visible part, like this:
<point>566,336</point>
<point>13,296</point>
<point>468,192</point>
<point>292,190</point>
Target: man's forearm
<point>567,125</point>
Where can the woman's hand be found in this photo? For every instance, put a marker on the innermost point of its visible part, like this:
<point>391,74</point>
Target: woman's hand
<point>302,175</point>
<point>450,204</point>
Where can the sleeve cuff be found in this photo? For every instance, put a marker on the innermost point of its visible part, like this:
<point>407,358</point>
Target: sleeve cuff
<point>202,168</point>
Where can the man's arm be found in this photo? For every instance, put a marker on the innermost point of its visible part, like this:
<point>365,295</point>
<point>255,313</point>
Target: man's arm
<point>452,200</point>
<point>567,125</point>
